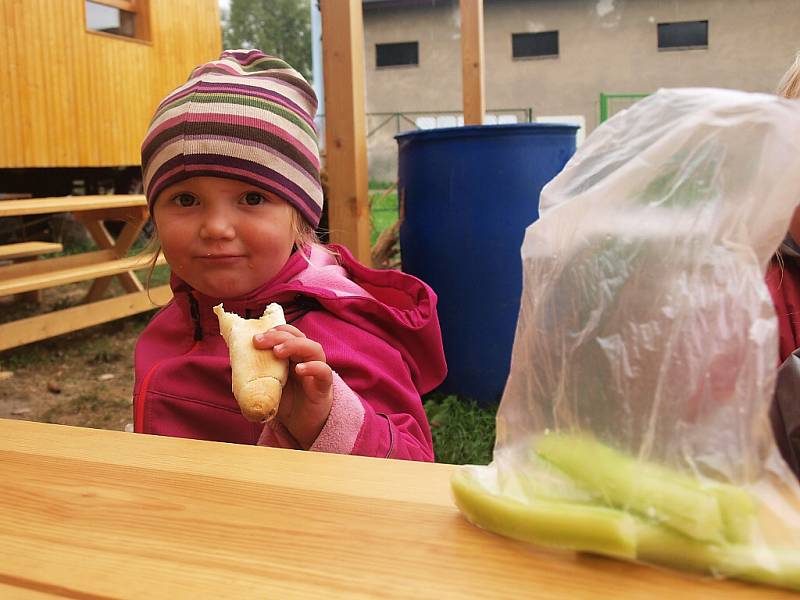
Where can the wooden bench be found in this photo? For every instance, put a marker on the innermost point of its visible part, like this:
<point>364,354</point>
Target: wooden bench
<point>26,281</point>
<point>24,252</point>
<point>110,261</point>
<point>32,277</point>
<point>28,250</point>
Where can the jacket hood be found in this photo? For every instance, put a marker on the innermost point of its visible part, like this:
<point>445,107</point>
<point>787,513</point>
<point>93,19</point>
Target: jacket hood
<point>389,304</point>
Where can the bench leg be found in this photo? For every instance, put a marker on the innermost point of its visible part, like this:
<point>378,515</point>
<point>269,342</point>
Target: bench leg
<point>124,241</point>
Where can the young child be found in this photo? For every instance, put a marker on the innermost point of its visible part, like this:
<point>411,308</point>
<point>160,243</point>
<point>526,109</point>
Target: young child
<point>783,281</point>
<point>231,174</point>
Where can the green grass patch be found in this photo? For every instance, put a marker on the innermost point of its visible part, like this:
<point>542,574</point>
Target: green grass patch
<point>463,432</point>
<point>384,211</point>
<point>380,185</point>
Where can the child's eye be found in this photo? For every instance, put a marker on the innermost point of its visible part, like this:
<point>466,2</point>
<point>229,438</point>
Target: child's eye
<point>184,200</point>
<point>254,199</point>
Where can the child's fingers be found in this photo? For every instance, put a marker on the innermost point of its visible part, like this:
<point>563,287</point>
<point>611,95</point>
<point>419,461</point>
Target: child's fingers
<point>299,350</point>
<point>268,339</point>
<point>319,370</point>
<point>289,328</point>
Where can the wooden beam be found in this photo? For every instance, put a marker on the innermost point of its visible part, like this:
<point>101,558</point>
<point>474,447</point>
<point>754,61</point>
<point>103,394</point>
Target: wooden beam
<point>345,126</point>
<point>42,281</point>
<point>49,265</point>
<point>472,67</point>
<point>33,329</point>
<point>28,249</point>
<point>38,206</point>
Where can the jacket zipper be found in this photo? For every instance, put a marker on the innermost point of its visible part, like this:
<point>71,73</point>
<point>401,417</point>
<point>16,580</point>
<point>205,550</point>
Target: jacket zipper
<point>138,416</point>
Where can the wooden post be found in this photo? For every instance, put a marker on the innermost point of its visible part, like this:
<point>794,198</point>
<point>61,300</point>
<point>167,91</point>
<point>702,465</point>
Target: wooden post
<point>345,126</point>
<point>472,79</point>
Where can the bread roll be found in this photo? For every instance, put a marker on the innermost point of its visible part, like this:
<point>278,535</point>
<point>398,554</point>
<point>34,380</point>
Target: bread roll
<point>258,376</point>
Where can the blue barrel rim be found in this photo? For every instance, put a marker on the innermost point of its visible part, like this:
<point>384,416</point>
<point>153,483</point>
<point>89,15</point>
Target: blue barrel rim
<point>462,131</point>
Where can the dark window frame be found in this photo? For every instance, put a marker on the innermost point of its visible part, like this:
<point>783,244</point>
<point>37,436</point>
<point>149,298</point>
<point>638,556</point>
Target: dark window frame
<point>666,29</point>
<point>397,46</point>
<point>517,39</point>
<point>137,11</point>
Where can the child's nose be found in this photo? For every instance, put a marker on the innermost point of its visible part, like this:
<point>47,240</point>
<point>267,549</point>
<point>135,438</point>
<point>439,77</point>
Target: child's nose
<point>217,225</point>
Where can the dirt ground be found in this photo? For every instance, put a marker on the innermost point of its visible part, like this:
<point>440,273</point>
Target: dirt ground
<point>84,378</point>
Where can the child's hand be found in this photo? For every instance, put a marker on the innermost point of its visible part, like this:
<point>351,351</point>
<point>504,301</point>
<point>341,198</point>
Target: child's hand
<point>308,393</point>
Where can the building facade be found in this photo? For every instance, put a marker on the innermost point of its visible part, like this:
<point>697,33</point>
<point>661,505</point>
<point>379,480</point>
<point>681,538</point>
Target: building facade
<point>551,60</point>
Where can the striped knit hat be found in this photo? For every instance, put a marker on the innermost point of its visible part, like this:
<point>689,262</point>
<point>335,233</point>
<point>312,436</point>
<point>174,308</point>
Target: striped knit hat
<point>247,116</point>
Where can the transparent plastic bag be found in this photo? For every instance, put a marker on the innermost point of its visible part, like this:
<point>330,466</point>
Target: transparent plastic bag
<point>634,421</point>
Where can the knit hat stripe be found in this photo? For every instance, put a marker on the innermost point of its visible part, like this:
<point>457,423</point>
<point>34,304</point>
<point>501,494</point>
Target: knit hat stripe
<point>290,77</point>
<point>228,104</point>
<point>244,87</point>
<point>305,183</point>
<point>246,116</point>
<point>258,66</point>
<point>240,115</point>
<point>260,146</point>
<point>246,128</point>
<point>214,88</point>
<point>248,57</point>
<point>245,171</point>
<point>290,101</point>
<point>252,102</point>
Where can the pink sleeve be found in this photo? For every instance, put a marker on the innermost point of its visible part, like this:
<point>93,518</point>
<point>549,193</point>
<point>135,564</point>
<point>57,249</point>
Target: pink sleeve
<point>377,410</point>
<point>339,434</point>
<point>354,427</point>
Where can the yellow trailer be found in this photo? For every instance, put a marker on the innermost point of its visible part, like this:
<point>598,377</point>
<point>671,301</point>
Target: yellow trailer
<point>81,79</point>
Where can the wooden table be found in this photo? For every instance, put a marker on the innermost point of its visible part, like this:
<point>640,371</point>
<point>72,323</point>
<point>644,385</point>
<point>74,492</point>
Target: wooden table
<point>100,266</point>
<point>100,514</point>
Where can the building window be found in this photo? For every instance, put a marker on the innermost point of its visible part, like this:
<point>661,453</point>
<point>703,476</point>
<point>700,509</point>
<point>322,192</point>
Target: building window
<point>683,35</point>
<point>397,55</point>
<point>532,45</point>
<point>124,18</point>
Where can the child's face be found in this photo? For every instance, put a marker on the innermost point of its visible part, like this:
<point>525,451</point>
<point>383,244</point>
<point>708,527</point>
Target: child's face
<point>223,237</point>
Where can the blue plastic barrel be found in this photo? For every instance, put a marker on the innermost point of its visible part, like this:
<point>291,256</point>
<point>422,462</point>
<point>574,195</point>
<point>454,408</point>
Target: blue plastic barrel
<point>466,196</point>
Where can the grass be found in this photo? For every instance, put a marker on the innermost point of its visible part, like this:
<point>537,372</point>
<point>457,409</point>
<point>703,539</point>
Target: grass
<point>463,432</point>
<point>380,185</point>
<point>384,210</point>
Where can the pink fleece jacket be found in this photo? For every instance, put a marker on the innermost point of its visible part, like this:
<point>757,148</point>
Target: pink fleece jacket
<point>380,333</point>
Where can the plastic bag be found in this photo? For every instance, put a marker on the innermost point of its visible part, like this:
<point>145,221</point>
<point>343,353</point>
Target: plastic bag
<point>634,422</point>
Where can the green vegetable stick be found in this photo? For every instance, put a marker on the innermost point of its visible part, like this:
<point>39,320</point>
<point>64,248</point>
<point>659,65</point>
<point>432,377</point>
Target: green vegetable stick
<point>773,566</point>
<point>570,526</point>
<point>648,490</point>
<point>738,510</point>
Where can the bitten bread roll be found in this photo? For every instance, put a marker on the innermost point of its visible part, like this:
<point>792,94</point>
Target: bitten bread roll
<point>258,377</point>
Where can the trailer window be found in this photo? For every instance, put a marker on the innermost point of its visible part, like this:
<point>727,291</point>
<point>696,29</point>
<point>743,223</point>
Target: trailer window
<point>124,18</point>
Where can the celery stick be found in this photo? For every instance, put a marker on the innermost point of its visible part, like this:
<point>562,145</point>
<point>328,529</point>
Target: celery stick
<point>540,480</point>
<point>570,526</point>
<point>648,490</point>
<point>773,566</point>
<point>738,510</point>
<point>667,547</point>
